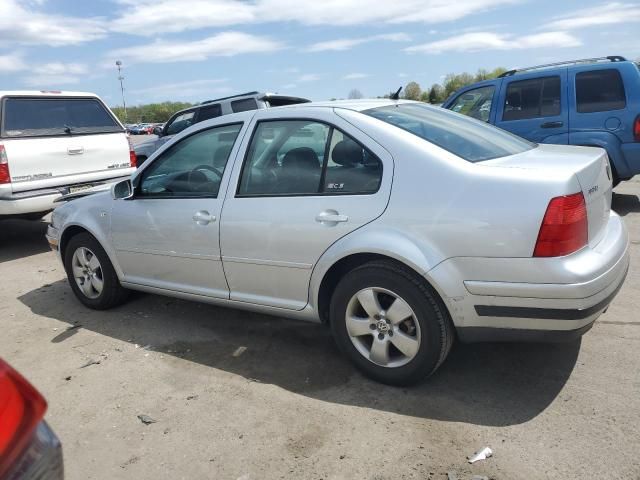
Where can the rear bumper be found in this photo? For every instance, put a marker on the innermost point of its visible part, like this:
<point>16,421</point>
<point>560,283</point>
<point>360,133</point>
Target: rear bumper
<point>41,200</point>
<point>42,460</point>
<point>533,299</point>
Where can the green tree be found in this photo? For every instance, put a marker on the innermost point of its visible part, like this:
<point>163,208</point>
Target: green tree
<point>436,93</point>
<point>412,91</point>
<point>424,96</point>
<point>151,113</point>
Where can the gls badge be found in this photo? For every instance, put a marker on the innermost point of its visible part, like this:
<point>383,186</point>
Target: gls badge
<point>593,189</point>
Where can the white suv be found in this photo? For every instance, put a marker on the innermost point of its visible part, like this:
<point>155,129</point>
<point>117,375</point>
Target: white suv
<point>54,143</point>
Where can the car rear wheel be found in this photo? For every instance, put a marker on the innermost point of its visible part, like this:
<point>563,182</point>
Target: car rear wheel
<point>390,323</point>
<point>91,274</point>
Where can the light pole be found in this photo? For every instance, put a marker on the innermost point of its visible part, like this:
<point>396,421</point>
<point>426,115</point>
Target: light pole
<point>121,78</point>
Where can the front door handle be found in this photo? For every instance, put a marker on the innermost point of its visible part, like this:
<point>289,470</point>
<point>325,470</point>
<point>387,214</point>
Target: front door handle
<point>552,125</point>
<point>331,217</point>
<point>203,217</point>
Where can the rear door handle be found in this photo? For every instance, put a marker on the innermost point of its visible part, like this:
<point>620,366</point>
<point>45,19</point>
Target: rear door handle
<point>552,125</point>
<point>331,217</point>
<point>203,217</point>
<point>75,150</point>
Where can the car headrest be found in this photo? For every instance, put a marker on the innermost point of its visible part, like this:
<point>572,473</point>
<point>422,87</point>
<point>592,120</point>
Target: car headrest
<point>301,158</point>
<point>347,153</point>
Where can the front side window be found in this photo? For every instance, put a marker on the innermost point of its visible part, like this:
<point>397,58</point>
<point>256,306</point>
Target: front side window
<point>475,103</point>
<point>302,157</point>
<point>182,121</point>
<point>32,117</point>
<point>467,138</point>
<point>535,98</point>
<point>244,105</point>
<point>599,91</point>
<point>192,167</point>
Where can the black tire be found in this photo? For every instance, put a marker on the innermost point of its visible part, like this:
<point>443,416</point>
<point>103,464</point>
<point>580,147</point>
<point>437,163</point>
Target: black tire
<point>430,313</point>
<point>112,294</point>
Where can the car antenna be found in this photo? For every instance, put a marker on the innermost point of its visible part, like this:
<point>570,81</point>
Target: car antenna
<point>396,96</point>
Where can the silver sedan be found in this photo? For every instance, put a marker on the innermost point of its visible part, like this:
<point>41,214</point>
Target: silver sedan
<point>399,225</point>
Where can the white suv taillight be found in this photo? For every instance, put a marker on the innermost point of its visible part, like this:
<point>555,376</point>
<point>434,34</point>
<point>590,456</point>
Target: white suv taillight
<point>5,176</point>
<point>133,160</point>
<point>21,410</point>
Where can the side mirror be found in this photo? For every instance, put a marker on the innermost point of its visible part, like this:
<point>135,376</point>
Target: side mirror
<point>122,190</point>
<point>157,131</point>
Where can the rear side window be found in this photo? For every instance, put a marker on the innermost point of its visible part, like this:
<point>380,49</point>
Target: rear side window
<point>301,157</point>
<point>35,117</point>
<point>469,139</point>
<point>244,105</point>
<point>535,98</point>
<point>599,91</point>
<point>208,112</point>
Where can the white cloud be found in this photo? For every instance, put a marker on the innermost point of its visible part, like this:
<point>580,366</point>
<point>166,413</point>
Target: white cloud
<point>309,77</point>
<point>479,41</point>
<point>608,14</point>
<point>147,17</point>
<point>11,63</point>
<point>348,43</point>
<point>355,76</point>
<point>225,44</point>
<point>188,89</point>
<point>22,23</point>
<point>289,86</point>
<point>55,74</point>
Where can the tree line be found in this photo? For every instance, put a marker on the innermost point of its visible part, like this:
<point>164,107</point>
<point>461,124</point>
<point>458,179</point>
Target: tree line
<point>150,113</point>
<point>438,93</point>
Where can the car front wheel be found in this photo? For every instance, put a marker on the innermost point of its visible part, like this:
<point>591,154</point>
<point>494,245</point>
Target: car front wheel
<point>390,323</point>
<point>91,274</point>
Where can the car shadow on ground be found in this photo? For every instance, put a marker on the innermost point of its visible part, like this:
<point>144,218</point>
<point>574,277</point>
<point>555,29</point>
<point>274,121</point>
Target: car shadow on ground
<point>22,238</point>
<point>624,203</point>
<point>485,384</point>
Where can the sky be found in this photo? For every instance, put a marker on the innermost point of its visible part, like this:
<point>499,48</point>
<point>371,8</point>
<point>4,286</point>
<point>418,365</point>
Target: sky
<point>194,50</point>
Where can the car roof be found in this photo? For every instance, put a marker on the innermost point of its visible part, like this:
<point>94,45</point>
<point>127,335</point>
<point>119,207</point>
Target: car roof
<point>356,105</point>
<point>44,93</point>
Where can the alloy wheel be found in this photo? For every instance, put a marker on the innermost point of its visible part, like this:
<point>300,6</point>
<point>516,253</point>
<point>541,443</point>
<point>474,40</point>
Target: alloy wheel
<point>383,327</point>
<point>87,272</point>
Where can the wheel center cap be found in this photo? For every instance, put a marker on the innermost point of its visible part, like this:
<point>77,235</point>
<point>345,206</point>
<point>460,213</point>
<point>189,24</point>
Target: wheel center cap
<point>382,326</point>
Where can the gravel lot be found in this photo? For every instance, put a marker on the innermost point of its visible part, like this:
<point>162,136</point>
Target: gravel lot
<point>289,406</point>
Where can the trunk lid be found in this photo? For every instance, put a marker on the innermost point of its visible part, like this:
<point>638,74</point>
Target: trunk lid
<point>589,165</point>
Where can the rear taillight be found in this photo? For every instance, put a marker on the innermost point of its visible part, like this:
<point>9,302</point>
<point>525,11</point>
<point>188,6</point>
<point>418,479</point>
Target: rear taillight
<point>21,410</point>
<point>636,129</point>
<point>133,160</point>
<point>564,228</point>
<point>5,176</point>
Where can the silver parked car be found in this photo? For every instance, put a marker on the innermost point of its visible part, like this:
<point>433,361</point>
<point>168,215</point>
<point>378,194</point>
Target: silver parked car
<point>400,225</point>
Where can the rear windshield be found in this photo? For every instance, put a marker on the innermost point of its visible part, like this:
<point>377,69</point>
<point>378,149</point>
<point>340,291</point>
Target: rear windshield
<point>35,117</point>
<point>465,137</point>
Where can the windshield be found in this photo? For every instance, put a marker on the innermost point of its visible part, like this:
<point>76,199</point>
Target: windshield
<point>467,138</point>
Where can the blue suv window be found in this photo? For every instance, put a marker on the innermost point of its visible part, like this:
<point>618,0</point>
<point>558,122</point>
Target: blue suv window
<point>535,98</point>
<point>599,91</point>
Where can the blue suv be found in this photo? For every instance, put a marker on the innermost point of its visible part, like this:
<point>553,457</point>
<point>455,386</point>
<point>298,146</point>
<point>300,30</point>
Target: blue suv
<point>592,102</point>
